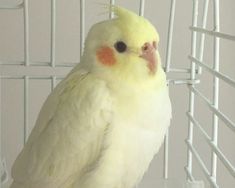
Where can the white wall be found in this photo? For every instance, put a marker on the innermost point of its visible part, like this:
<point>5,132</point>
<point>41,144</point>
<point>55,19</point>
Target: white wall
<point>67,50</point>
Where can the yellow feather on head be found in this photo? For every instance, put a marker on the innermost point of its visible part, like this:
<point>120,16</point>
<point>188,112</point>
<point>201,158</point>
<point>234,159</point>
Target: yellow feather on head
<point>135,59</point>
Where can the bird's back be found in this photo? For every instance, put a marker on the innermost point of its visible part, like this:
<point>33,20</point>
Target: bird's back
<point>68,134</point>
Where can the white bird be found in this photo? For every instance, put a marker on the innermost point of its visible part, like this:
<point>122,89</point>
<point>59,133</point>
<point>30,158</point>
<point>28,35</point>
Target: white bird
<point>103,124</point>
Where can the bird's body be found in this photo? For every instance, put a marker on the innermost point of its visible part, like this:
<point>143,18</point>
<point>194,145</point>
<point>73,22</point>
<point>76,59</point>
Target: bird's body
<point>98,128</point>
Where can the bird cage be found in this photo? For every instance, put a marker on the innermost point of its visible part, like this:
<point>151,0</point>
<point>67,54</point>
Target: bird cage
<point>40,41</point>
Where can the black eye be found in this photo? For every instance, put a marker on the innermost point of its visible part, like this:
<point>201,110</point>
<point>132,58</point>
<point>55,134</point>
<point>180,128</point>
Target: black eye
<point>120,46</point>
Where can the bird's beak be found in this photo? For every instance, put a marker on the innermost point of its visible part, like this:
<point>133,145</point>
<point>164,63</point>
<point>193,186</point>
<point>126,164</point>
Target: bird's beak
<point>149,54</point>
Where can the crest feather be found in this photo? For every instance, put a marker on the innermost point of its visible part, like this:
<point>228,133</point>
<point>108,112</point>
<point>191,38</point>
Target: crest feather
<point>118,11</point>
<point>121,12</point>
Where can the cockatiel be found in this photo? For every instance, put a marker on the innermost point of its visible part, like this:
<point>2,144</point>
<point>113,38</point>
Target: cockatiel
<point>102,125</point>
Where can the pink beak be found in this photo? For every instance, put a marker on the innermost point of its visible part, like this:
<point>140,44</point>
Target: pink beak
<point>149,54</point>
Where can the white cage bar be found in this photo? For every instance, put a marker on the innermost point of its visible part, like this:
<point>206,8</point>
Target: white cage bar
<point>213,33</point>
<point>26,33</point>
<point>111,14</point>
<point>26,105</point>
<point>215,89</point>
<point>167,69</point>
<point>141,8</point>
<point>191,94</point>
<point>82,25</point>
<point>211,175</point>
<point>202,39</point>
<point>53,34</point>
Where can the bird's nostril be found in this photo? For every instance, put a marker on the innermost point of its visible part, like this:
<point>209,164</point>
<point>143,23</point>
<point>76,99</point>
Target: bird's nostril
<point>145,47</point>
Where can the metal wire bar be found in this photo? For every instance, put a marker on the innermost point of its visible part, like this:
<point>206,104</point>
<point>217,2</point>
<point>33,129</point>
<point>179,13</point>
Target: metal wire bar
<point>192,75</point>
<point>166,155</point>
<point>141,7</point>
<point>32,77</point>
<point>213,33</point>
<point>26,96</point>
<point>41,77</point>
<point>183,81</point>
<point>172,81</point>
<point>17,6</point>
<point>179,70</point>
<point>223,117</point>
<point>53,27</point>
<point>0,134</point>
<point>170,36</point>
<point>82,26</point>
<point>111,13</point>
<point>60,64</point>
<point>189,174</point>
<point>26,33</point>
<point>215,120</point>
<point>224,77</point>
<point>213,146</point>
<point>201,164</point>
<point>202,39</point>
<point>167,69</point>
<point>72,64</point>
<point>53,82</point>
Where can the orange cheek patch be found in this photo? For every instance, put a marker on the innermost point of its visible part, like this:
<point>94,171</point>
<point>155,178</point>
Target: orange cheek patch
<point>106,56</point>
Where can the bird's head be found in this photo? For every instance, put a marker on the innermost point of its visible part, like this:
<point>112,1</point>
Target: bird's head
<point>126,46</point>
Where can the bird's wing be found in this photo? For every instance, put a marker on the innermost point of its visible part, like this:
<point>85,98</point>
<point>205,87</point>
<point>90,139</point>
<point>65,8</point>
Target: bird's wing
<point>68,134</point>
